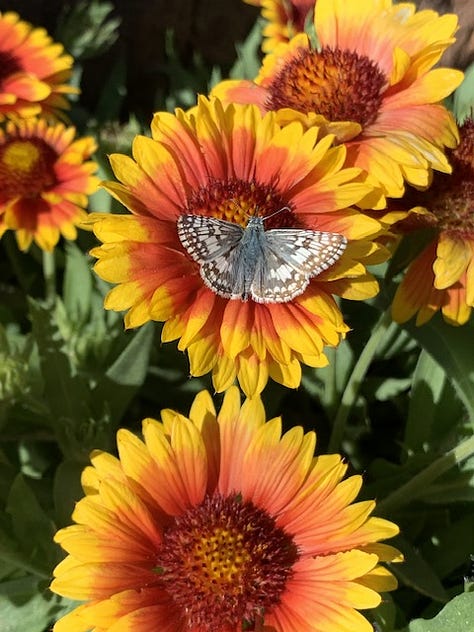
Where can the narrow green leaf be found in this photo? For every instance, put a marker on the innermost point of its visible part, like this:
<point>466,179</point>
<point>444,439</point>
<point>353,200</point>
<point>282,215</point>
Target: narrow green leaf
<point>248,58</point>
<point>457,485</point>
<point>77,286</point>
<point>427,386</point>
<point>326,384</point>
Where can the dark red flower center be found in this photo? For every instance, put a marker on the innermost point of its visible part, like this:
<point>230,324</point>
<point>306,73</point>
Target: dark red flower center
<point>450,197</point>
<point>339,84</point>
<point>236,200</point>
<point>26,168</point>
<point>225,563</point>
<point>452,202</point>
<point>9,64</point>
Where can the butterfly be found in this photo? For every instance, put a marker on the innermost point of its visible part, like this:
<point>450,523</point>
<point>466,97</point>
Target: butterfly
<point>267,266</point>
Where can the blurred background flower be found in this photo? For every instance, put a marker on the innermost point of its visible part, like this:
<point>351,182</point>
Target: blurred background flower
<point>374,68</point>
<point>45,180</point>
<point>442,275</point>
<point>284,19</point>
<point>34,71</point>
<point>217,522</point>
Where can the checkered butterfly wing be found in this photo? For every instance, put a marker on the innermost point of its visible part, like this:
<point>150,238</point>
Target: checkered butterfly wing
<point>273,266</point>
<point>216,245</point>
<point>291,258</point>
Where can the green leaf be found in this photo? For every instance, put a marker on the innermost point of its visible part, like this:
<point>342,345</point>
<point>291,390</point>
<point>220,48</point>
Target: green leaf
<point>77,286</point>
<point>27,610</point>
<point>79,426</point>
<point>33,529</point>
<point>463,98</point>
<point>456,616</point>
<point>66,393</point>
<point>388,388</point>
<point>385,614</point>
<point>87,30</point>
<point>13,558</point>
<point>248,58</point>
<point>67,490</point>
<point>450,543</point>
<point>416,573</point>
<point>127,374</point>
<point>451,347</point>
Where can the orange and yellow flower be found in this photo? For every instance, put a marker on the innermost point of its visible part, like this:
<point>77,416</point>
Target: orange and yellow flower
<point>218,523</point>
<point>33,71</point>
<point>374,68</point>
<point>442,276</point>
<point>44,181</point>
<point>230,163</point>
<point>285,18</point>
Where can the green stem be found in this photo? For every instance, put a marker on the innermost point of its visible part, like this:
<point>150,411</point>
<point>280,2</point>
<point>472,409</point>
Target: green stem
<point>418,484</point>
<point>359,372</point>
<point>49,273</point>
<point>330,385</point>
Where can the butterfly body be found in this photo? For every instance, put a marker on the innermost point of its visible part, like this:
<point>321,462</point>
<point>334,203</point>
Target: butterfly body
<point>267,266</point>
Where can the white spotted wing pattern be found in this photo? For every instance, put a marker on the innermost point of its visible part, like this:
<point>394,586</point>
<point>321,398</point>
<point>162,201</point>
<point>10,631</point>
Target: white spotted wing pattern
<point>268,266</point>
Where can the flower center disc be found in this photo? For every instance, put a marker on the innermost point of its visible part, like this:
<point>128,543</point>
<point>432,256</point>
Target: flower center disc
<point>26,168</point>
<point>225,562</point>
<point>453,206</point>
<point>236,200</point>
<point>339,84</point>
<point>451,197</point>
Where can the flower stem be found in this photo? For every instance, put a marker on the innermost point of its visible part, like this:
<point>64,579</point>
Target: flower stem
<point>419,483</point>
<point>49,274</point>
<point>351,391</point>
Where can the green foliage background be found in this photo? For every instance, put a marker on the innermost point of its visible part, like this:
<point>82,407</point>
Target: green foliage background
<point>397,401</point>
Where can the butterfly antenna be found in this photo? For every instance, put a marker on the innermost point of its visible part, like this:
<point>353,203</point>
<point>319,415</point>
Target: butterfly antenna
<point>280,210</point>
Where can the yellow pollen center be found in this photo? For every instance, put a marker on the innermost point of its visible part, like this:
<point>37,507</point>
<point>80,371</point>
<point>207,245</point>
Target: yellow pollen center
<point>26,168</point>
<point>224,563</point>
<point>218,560</point>
<point>21,156</point>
